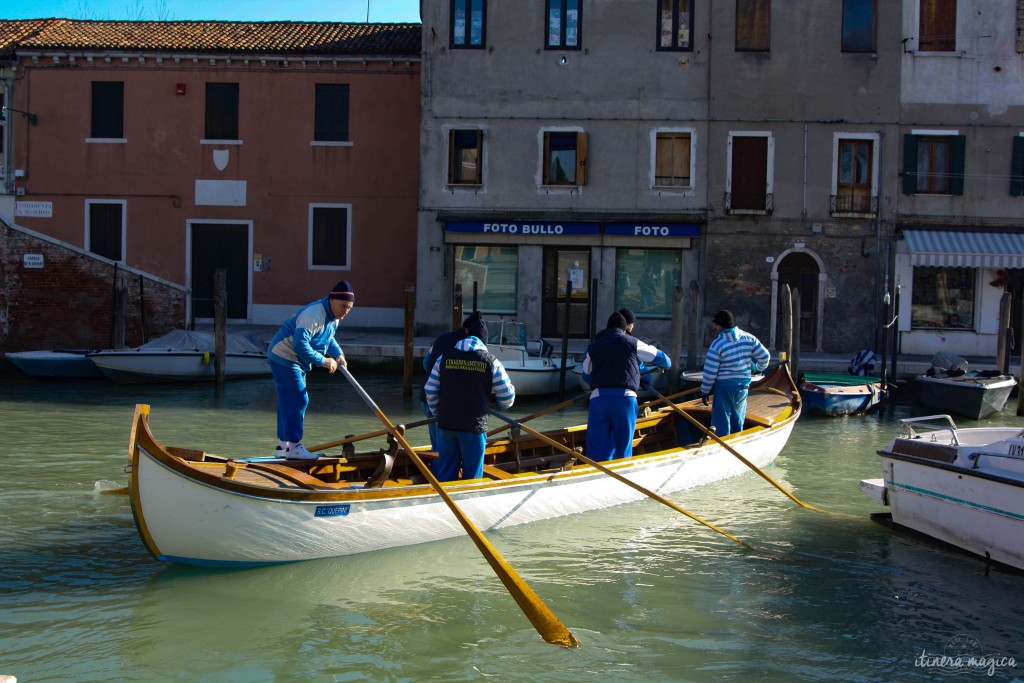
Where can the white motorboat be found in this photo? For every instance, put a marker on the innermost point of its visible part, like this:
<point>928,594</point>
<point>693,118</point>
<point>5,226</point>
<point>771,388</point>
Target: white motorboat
<point>183,355</point>
<point>529,362</point>
<point>950,387</point>
<point>964,487</point>
<point>55,363</point>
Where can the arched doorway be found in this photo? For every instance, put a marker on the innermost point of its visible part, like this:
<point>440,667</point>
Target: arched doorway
<point>801,272</point>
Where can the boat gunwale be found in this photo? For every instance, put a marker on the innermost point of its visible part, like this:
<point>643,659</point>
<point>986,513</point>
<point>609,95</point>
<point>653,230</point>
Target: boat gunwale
<point>462,489</point>
<point>950,467</point>
<point>144,440</point>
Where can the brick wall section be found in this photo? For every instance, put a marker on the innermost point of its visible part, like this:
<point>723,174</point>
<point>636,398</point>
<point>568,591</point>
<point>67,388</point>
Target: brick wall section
<point>68,302</point>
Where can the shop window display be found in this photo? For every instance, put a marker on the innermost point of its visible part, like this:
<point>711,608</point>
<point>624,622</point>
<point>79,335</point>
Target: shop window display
<point>943,298</point>
<point>493,269</point>
<point>645,279</point>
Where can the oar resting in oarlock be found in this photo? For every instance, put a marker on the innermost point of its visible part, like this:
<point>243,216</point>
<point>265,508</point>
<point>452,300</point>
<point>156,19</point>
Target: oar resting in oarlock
<point>612,473</point>
<point>709,432</point>
<point>542,618</point>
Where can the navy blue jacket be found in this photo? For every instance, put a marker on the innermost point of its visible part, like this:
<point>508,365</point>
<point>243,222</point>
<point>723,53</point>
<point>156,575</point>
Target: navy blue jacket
<point>614,362</point>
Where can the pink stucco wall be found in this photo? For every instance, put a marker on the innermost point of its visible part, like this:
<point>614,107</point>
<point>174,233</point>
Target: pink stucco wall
<point>156,169</point>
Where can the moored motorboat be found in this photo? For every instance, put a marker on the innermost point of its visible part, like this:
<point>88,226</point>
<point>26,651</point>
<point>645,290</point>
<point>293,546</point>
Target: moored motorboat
<point>55,363</point>
<point>950,387</point>
<point>974,395</point>
<point>835,394</point>
<point>530,363</point>
<point>964,487</point>
<point>198,508</point>
<point>184,355</point>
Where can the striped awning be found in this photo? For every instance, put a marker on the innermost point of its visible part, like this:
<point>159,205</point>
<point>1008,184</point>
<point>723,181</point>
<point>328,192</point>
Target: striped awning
<point>965,249</point>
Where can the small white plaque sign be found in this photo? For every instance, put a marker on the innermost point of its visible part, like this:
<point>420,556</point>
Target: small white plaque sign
<point>34,261</point>
<point>34,209</point>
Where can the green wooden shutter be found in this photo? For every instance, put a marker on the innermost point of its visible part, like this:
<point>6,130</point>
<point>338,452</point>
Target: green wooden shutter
<point>909,164</point>
<point>956,164</point>
<point>1017,168</point>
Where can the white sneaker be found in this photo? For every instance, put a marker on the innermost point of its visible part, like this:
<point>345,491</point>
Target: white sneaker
<point>299,452</point>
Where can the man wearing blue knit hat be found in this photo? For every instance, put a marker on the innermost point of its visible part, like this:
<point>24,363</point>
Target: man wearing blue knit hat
<point>306,340</point>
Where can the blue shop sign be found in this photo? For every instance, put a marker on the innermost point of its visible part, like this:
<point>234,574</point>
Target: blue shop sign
<point>652,229</point>
<point>531,228</point>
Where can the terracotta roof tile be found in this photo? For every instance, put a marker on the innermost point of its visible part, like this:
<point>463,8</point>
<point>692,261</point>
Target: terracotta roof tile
<point>271,37</point>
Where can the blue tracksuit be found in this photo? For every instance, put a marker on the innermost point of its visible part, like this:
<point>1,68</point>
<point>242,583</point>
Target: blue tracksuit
<point>612,368</point>
<point>302,343</point>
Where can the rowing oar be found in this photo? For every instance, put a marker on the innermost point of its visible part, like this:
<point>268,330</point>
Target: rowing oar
<point>370,435</point>
<point>542,618</point>
<point>732,450</point>
<point>539,413</point>
<point>673,397</point>
<point>564,404</point>
<point>615,475</point>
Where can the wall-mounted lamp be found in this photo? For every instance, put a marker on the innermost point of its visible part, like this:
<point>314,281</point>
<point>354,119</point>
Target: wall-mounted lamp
<point>563,61</point>
<point>32,118</point>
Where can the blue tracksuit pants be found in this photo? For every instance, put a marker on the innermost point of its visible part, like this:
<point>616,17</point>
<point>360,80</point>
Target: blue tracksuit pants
<point>729,408</point>
<point>459,451</point>
<point>292,400</point>
<point>610,425</point>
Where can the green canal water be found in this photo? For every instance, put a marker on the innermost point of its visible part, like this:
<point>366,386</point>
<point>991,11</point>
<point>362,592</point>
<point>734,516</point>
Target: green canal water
<point>651,595</point>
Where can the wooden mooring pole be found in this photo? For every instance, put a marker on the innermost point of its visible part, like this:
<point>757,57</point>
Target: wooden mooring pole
<point>220,326</point>
<point>410,336</point>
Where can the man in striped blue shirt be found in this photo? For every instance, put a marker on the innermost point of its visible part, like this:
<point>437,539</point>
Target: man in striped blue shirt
<point>727,367</point>
<point>458,393</point>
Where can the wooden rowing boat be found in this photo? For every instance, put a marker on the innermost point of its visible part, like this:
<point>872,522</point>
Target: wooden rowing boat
<point>834,395</point>
<point>199,508</point>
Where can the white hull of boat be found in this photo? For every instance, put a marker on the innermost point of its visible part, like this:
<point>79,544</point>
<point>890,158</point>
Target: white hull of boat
<point>128,367</point>
<point>55,364</point>
<point>537,376</point>
<point>186,521</point>
<point>975,502</point>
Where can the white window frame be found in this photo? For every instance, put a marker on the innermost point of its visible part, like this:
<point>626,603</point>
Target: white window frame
<point>875,139</point>
<point>559,189</point>
<point>348,236</point>
<point>124,225</point>
<point>446,132</point>
<point>684,190</point>
<point>770,173</point>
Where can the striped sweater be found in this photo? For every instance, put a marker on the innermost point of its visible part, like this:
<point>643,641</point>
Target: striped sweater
<point>504,392</point>
<point>730,357</point>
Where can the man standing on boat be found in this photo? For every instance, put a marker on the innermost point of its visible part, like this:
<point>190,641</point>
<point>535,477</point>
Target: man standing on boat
<point>305,340</point>
<point>727,369</point>
<point>459,392</point>
<point>445,342</point>
<point>612,368</point>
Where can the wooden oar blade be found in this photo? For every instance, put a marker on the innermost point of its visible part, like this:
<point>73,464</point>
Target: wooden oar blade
<point>543,619</point>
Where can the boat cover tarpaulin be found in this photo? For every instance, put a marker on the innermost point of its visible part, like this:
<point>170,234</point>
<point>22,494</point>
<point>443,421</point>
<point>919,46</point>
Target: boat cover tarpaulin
<point>186,340</point>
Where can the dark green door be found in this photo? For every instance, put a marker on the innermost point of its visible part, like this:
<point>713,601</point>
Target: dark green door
<point>566,268</point>
<point>217,245</point>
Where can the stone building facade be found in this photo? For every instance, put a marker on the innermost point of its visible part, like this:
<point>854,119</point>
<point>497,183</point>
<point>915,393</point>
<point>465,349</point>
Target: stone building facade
<point>741,146</point>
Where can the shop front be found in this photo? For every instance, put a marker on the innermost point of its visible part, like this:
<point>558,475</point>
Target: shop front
<point>951,285</point>
<point>570,275</point>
